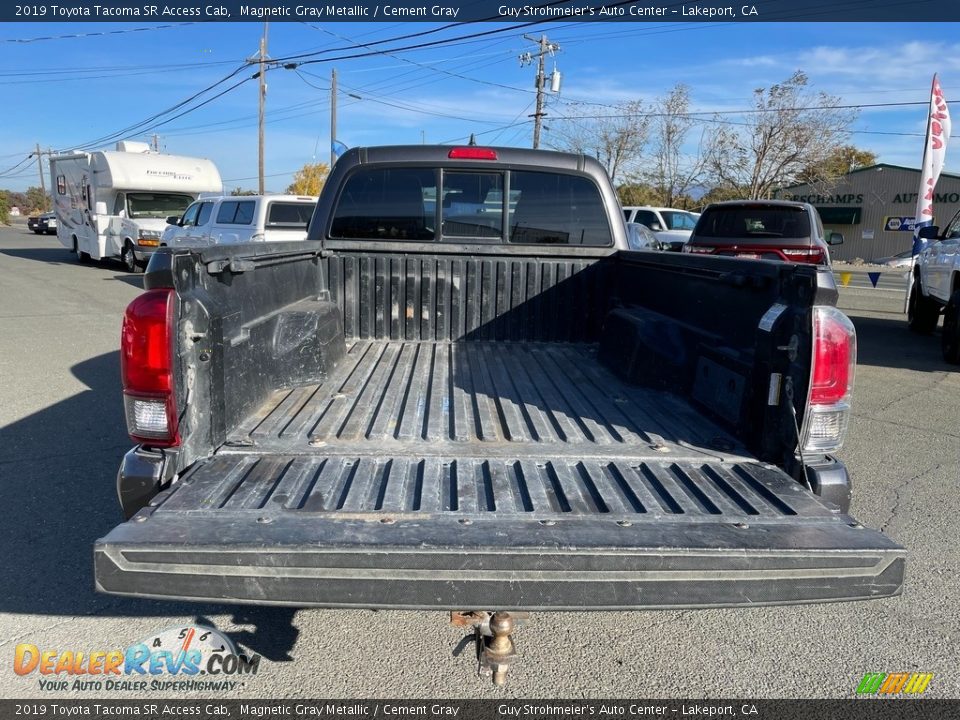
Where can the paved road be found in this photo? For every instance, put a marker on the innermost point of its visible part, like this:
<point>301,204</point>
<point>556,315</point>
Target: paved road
<point>62,432</point>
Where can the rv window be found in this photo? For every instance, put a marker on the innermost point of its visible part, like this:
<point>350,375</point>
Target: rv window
<point>234,212</point>
<point>118,205</point>
<point>61,185</point>
<point>156,205</point>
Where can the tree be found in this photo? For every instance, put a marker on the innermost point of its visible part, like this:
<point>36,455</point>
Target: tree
<point>4,208</point>
<point>240,191</point>
<point>635,193</point>
<point>672,172</point>
<point>37,199</point>
<point>309,179</point>
<point>843,160</point>
<point>616,139</point>
<point>790,129</point>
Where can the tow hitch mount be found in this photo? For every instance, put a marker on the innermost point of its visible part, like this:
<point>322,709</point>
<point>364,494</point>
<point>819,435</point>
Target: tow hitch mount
<point>492,637</point>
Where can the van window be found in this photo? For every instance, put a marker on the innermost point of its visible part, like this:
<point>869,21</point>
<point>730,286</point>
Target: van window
<point>289,214</point>
<point>557,209</point>
<point>236,212</point>
<point>387,204</point>
<point>648,218</point>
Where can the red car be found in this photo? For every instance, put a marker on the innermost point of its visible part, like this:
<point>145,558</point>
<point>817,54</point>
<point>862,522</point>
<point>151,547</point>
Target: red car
<point>763,230</point>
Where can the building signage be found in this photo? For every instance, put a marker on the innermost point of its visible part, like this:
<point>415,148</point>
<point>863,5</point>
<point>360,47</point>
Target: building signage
<point>901,224</point>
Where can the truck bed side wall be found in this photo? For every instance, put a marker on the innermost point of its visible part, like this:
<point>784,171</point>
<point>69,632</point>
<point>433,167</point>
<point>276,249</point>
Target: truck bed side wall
<point>278,316</point>
<point>244,331</point>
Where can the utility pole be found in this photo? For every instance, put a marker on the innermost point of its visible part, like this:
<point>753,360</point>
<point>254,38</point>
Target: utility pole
<point>333,116</point>
<point>43,185</point>
<point>155,143</point>
<point>263,99</point>
<point>545,46</point>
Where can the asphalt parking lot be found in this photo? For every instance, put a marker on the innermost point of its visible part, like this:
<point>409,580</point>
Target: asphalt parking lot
<point>62,431</point>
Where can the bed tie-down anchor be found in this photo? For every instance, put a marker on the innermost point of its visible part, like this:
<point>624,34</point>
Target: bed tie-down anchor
<point>492,635</point>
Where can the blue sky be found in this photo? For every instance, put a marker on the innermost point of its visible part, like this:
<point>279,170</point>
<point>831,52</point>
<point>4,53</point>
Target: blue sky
<point>66,92</point>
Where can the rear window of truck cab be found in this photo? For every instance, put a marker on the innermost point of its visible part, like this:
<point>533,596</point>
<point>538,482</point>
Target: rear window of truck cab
<point>479,205</point>
<point>754,221</point>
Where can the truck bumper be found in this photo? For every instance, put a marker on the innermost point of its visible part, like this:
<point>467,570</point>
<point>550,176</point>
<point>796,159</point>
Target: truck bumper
<point>247,535</point>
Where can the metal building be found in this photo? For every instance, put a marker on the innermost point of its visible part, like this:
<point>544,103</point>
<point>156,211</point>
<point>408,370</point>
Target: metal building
<point>873,208</point>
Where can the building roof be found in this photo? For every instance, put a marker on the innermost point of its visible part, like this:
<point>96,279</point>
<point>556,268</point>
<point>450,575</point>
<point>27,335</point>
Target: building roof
<point>878,166</point>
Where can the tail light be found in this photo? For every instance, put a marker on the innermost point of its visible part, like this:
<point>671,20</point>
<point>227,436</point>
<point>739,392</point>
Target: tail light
<point>146,366</point>
<point>831,381</point>
<point>699,249</point>
<point>809,255</point>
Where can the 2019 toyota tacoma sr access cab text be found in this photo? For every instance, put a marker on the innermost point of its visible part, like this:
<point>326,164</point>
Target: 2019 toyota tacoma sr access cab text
<point>936,287</point>
<point>463,392</point>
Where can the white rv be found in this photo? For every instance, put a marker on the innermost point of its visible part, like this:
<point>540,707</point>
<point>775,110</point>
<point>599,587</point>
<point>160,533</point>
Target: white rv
<point>115,204</point>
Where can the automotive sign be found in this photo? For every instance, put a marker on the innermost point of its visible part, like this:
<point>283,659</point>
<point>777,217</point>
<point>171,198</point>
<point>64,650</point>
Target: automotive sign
<point>893,224</point>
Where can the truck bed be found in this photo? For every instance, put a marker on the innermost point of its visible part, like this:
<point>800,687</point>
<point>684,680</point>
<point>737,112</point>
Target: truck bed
<point>489,475</point>
<point>491,399</point>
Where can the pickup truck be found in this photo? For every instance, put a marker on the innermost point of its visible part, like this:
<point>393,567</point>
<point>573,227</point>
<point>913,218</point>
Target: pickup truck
<point>935,289</point>
<point>462,392</point>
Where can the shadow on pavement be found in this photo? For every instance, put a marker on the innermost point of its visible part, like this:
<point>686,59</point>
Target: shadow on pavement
<point>62,256</point>
<point>42,254</point>
<point>59,467</point>
<point>887,342</point>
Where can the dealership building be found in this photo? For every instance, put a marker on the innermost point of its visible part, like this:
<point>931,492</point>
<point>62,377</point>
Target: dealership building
<point>873,208</point>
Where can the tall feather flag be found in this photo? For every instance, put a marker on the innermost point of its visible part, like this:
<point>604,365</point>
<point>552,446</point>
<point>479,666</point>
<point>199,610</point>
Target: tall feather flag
<point>934,152</point>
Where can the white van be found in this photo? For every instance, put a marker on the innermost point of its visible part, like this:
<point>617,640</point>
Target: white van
<point>112,204</point>
<point>240,219</point>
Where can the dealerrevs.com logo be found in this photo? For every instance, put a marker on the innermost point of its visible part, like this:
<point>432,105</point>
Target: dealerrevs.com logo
<point>187,658</point>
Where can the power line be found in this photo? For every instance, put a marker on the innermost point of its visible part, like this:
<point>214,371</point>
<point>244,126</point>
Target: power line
<point>138,127</point>
<point>100,33</point>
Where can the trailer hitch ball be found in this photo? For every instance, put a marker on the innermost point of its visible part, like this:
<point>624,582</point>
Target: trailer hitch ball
<point>500,651</point>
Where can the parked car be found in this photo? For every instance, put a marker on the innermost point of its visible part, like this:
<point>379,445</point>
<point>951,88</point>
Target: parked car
<point>936,287</point>
<point>44,223</point>
<point>763,230</point>
<point>640,237</point>
<point>434,404</point>
<point>671,225</point>
<point>238,219</point>
<point>900,260</point>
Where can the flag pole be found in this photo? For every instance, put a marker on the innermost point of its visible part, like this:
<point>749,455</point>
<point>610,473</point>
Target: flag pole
<point>916,220</point>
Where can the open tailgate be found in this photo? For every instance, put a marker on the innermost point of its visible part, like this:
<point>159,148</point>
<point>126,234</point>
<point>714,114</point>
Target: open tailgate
<point>493,533</point>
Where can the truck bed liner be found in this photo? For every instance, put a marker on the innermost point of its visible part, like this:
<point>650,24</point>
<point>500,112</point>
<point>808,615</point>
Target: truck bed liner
<point>416,398</point>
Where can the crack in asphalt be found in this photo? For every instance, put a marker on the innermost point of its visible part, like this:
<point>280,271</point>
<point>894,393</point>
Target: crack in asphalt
<point>898,495</point>
<point>900,424</point>
<point>943,376</point>
<point>63,621</point>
